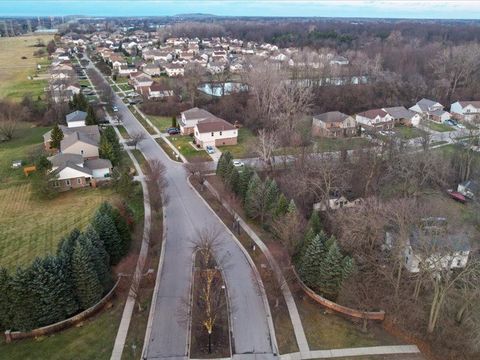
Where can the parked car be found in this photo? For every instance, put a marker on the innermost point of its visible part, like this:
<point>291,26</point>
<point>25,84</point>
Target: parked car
<point>173,131</point>
<point>115,109</point>
<point>210,149</point>
<point>461,126</point>
<point>238,163</point>
<point>449,122</point>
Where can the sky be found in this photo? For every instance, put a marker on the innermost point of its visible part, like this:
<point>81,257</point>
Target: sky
<point>426,9</point>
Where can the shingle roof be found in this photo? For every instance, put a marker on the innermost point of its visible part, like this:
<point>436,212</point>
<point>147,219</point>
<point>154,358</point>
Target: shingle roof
<point>474,103</point>
<point>95,164</point>
<point>214,124</point>
<point>400,112</point>
<point>331,117</point>
<point>372,114</point>
<point>77,137</point>
<point>76,116</point>
<point>196,114</point>
<point>426,104</point>
<point>89,130</point>
<point>60,159</point>
<point>72,165</point>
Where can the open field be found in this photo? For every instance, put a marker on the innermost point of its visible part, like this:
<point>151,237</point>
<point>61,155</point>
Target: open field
<point>161,122</point>
<point>14,70</point>
<point>182,143</point>
<point>244,147</point>
<point>27,139</point>
<point>31,227</point>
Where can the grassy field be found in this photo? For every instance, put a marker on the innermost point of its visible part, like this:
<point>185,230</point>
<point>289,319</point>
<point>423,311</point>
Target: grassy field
<point>168,150</point>
<point>27,139</point>
<point>14,71</point>
<point>439,127</point>
<point>408,133</point>
<point>93,339</point>
<point>182,143</point>
<point>31,227</point>
<point>162,123</point>
<point>244,147</point>
<point>338,144</point>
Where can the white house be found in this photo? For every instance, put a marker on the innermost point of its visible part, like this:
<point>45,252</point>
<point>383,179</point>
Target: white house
<point>403,116</point>
<point>375,119</point>
<point>189,118</point>
<point>76,119</point>
<point>215,132</point>
<point>174,70</point>
<point>432,109</point>
<point>465,110</point>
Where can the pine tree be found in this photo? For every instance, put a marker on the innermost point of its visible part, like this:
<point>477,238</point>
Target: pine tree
<point>98,255</point>
<point>221,165</point>
<point>292,208</point>
<point>229,169</point>
<point>174,121</point>
<point>25,306</point>
<point>347,267</point>
<point>272,196</point>
<point>282,205</point>
<point>6,316</point>
<point>331,273</point>
<point>91,118</point>
<point>243,182</point>
<point>251,196</point>
<point>56,137</point>
<point>234,180</point>
<point>314,222</point>
<point>120,224</point>
<point>311,261</point>
<point>87,285</point>
<point>106,230</point>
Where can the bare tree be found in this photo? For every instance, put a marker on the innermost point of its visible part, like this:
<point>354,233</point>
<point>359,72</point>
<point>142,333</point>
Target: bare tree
<point>155,177</point>
<point>267,142</point>
<point>10,115</point>
<point>137,137</point>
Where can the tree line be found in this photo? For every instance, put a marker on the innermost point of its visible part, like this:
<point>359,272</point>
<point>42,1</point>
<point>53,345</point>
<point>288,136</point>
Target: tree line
<point>58,286</point>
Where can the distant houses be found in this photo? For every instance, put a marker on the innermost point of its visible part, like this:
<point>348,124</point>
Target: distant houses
<point>466,110</point>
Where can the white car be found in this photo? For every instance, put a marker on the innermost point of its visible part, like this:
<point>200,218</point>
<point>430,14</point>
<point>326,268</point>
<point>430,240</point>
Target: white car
<point>115,109</point>
<point>461,126</point>
<point>238,164</point>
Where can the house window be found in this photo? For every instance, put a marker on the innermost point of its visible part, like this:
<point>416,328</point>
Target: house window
<point>459,262</point>
<point>56,183</point>
<point>212,133</point>
<point>79,181</point>
<point>67,182</point>
<point>220,133</point>
<point>81,152</point>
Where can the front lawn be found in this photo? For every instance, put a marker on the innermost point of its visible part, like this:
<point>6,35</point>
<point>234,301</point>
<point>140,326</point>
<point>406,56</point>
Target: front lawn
<point>124,87</point>
<point>182,143</point>
<point>244,147</point>
<point>439,127</point>
<point>325,144</point>
<point>162,123</point>
<point>408,133</point>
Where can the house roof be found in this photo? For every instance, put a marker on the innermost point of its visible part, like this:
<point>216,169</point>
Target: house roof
<point>72,165</point>
<point>76,116</point>
<point>438,112</point>
<point>474,103</point>
<point>77,137</point>
<point>400,112</point>
<point>214,124</point>
<point>196,114</point>
<point>156,86</point>
<point>89,130</point>
<point>471,185</point>
<point>331,117</point>
<point>426,104</point>
<point>372,114</point>
<point>60,159</point>
<point>95,164</point>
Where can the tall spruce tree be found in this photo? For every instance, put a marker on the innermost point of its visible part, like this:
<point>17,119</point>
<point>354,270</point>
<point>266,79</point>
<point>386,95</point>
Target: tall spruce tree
<point>120,224</point>
<point>234,180</point>
<point>91,118</point>
<point>56,137</point>
<point>282,205</point>
<point>311,261</point>
<point>314,222</point>
<point>93,245</point>
<point>272,197</point>
<point>255,187</point>
<point>88,287</point>
<point>243,182</point>
<point>26,309</point>
<point>6,316</point>
<point>106,230</point>
<point>331,272</point>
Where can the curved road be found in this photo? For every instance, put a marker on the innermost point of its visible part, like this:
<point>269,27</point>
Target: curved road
<point>186,214</point>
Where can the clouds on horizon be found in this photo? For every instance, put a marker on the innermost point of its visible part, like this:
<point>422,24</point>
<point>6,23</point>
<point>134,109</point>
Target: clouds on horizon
<point>447,9</point>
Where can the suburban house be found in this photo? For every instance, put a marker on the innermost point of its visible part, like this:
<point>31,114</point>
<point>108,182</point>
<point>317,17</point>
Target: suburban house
<point>339,60</point>
<point>159,91</point>
<point>333,124</point>
<point>469,189</point>
<point>151,69</point>
<point>90,131</point>
<point>377,119</point>
<point>76,119</point>
<point>174,70</point>
<point>215,132</point>
<point>465,110</point>
<point>189,118</point>
<point>403,116</point>
<point>433,246</point>
<point>80,144</point>
<point>139,81</point>
<point>432,110</point>
<point>72,171</point>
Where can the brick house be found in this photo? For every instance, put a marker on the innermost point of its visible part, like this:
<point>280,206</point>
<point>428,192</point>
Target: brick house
<point>215,132</point>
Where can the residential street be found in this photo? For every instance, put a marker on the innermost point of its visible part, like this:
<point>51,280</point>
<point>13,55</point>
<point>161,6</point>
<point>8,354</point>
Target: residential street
<point>186,214</point>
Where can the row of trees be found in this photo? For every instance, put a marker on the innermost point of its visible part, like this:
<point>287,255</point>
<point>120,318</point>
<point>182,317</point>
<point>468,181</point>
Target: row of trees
<point>76,277</point>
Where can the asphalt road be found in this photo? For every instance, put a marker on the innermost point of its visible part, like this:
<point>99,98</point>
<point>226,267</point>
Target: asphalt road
<point>186,215</point>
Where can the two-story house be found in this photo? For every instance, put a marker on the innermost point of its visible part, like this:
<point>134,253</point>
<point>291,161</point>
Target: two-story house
<point>466,110</point>
<point>333,124</point>
<point>375,119</point>
<point>189,118</point>
<point>432,110</point>
<point>215,132</point>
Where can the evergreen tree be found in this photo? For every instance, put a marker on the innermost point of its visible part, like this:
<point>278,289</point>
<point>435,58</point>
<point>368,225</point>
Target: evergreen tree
<point>6,316</point>
<point>347,267</point>
<point>282,205</point>
<point>25,306</point>
<point>56,137</point>
<point>87,285</point>
<point>91,118</point>
<point>292,208</point>
<point>99,257</point>
<point>272,196</point>
<point>314,222</point>
<point>106,230</point>
<point>229,169</point>
<point>174,121</point>
<point>243,182</point>
<point>220,165</point>
<point>251,196</point>
<point>120,224</point>
<point>110,147</point>
<point>331,272</point>
<point>311,261</point>
<point>234,180</point>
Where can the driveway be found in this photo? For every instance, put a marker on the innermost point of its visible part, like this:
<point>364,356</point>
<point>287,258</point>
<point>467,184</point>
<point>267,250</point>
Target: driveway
<point>186,214</point>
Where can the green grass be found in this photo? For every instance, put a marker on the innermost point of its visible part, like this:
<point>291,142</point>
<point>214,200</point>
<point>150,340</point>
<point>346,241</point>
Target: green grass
<point>92,339</point>
<point>182,143</point>
<point>408,133</point>
<point>438,127</point>
<point>244,146</point>
<point>140,118</point>
<point>84,82</point>
<point>123,132</point>
<point>337,144</point>
<point>168,150</point>
<point>27,141</point>
<point>140,158</point>
<point>162,123</point>
<point>121,80</point>
<point>331,331</point>
<point>31,227</point>
<point>124,87</point>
